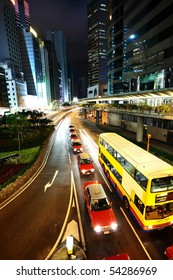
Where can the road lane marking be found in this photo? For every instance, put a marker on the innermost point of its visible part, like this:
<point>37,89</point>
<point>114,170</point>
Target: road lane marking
<point>64,224</point>
<point>105,179</point>
<point>49,184</point>
<point>135,233</point>
<point>83,131</point>
<point>79,215</point>
<point>72,229</point>
<point>69,157</point>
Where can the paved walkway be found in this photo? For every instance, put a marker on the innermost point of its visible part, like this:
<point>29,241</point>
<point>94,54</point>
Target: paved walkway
<point>164,147</point>
<point>155,143</point>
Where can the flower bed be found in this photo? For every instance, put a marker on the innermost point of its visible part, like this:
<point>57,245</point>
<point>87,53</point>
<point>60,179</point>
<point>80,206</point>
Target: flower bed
<point>8,171</point>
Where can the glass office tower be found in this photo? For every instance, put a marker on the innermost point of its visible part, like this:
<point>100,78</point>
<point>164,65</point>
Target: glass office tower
<point>58,39</point>
<point>140,45</point>
<point>97,45</point>
<point>115,46</point>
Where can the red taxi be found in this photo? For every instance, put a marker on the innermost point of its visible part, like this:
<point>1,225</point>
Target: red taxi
<point>73,136</point>
<point>71,126</point>
<point>72,130</point>
<point>102,217</point>
<point>122,256</point>
<point>169,252</point>
<point>77,146</point>
<point>85,164</point>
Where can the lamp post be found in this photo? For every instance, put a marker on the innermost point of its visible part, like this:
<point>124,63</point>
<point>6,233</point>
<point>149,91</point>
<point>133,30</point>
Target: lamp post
<point>148,142</point>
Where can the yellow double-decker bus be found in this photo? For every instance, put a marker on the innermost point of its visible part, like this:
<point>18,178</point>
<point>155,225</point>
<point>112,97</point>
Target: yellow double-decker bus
<point>143,181</point>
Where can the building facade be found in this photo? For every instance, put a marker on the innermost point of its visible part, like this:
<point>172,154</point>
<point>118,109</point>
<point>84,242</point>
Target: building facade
<point>57,37</point>
<point>3,89</point>
<point>22,13</point>
<point>115,46</point>
<point>54,71</point>
<point>10,54</point>
<point>149,45</point>
<point>97,47</point>
<point>45,85</point>
<point>31,60</point>
<point>140,45</point>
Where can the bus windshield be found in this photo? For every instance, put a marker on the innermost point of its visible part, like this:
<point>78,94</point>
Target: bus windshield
<point>162,184</point>
<point>159,211</point>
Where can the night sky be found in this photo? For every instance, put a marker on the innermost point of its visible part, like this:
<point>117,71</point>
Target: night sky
<point>69,16</point>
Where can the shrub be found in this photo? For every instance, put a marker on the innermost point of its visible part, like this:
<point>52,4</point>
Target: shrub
<point>8,171</point>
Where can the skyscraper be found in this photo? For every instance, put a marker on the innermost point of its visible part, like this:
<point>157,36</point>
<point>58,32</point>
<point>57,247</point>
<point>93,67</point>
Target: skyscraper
<point>3,89</point>
<point>97,47</point>
<point>10,44</point>
<point>10,53</point>
<point>58,39</point>
<point>31,54</point>
<point>54,71</point>
<point>115,46</point>
<point>148,54</point>
<point>22,13</point>
<point>31,60</point>
<point>140,45</point>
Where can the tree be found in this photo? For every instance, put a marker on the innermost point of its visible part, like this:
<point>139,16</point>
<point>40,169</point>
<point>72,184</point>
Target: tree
<point>17,123</point>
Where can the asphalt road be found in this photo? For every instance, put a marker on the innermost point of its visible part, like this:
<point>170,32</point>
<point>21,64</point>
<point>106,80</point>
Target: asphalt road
<point>35,222</point>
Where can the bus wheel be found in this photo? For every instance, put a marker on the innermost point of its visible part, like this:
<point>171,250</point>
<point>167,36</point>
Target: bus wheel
<point>126,203</point>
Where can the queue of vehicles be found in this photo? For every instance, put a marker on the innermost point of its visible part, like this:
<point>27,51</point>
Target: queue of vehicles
<point>99,208</point>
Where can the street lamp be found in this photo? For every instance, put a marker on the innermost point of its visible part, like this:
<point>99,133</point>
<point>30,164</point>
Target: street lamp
<point>148,142</point>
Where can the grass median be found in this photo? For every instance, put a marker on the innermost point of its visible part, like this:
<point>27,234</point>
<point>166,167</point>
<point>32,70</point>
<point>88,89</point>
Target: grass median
<point>12,168</point>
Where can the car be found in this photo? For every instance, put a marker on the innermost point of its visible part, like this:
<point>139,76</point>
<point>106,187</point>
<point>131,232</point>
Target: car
<point>122,256</point>
<point>85,164</point>
<point>77,146</point>
<point>169,252</point>
<point>71,126</point>
<point>100,211</point>
<point>72,130</point>
<point>73,136</point>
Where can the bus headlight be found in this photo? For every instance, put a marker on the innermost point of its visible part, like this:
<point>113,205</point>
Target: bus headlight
<point>83,171</point>
<point>92,170</point>
<point>148,227</point>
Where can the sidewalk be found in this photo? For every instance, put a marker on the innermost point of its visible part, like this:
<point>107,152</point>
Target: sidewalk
<point>131,135</point>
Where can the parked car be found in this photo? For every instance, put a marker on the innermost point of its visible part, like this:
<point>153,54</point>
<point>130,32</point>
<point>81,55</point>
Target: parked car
<point>85,164</point>
<point>77,146</point>
<point>101,214</point>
